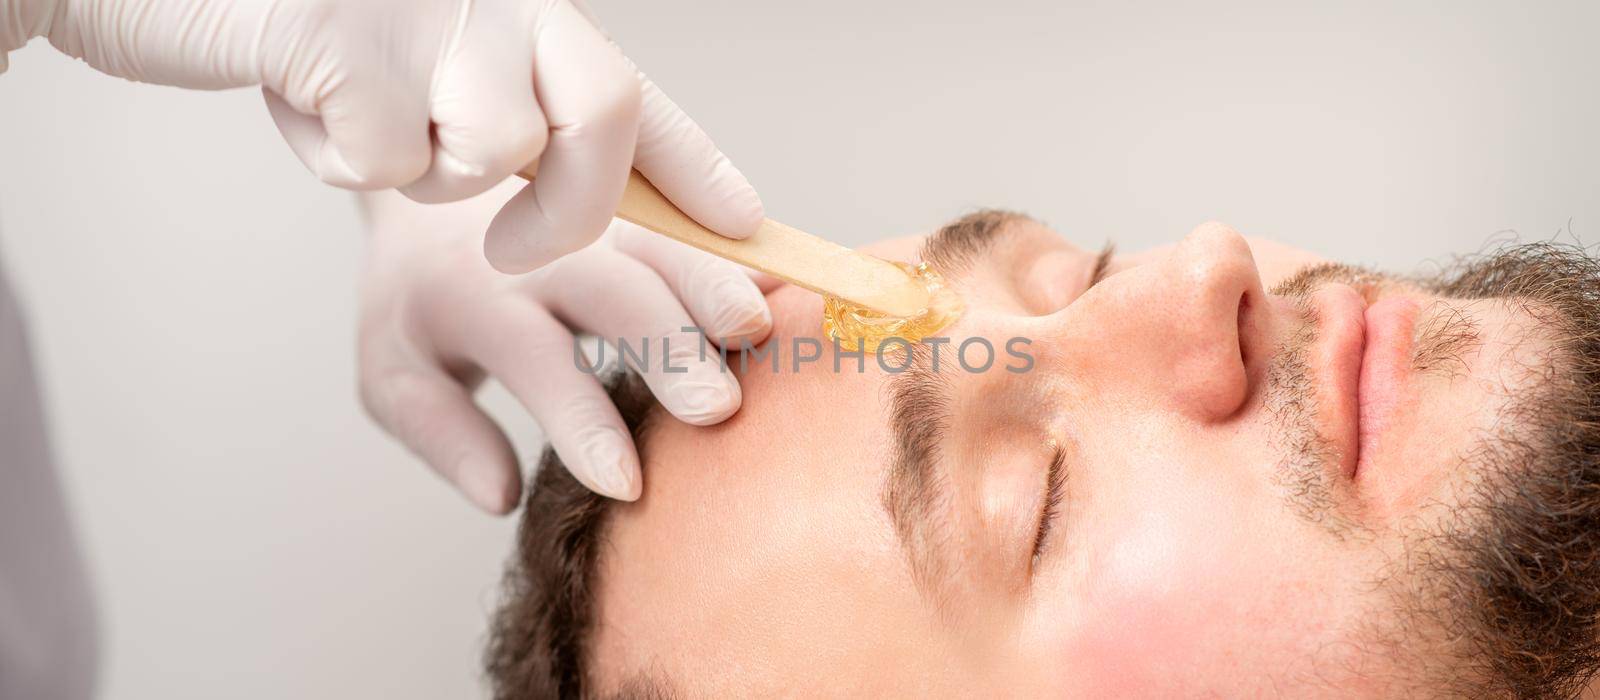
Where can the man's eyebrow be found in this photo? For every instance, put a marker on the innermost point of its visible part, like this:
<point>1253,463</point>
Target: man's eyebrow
<point>952,250</point>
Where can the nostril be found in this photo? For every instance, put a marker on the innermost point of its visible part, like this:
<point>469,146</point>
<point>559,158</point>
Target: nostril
<point>1242,331</point>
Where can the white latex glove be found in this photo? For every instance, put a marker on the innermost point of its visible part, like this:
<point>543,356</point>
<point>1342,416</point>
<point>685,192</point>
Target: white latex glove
<point>436,320</point>
<point>440,98</point>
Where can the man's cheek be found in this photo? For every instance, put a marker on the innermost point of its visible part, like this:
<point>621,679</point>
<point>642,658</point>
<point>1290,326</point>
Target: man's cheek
<point>1156,594</point>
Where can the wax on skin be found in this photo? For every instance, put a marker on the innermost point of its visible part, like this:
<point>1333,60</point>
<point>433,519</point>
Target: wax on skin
<point>856,327</point>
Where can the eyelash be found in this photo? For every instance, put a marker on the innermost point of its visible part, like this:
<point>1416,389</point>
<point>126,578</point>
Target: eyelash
<point>1054,490</point>
<point>1102,264</point>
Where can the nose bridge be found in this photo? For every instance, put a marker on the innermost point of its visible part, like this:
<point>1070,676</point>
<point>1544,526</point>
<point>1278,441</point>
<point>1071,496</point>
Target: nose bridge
<point>1172,328</point>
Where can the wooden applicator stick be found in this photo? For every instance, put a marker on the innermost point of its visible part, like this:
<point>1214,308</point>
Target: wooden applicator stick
<point>784,252</point>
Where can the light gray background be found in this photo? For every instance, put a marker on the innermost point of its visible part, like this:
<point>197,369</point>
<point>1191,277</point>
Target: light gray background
<point>192,289</point>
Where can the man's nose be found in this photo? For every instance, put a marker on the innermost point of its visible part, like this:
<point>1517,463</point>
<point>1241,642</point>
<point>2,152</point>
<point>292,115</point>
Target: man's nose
<point>1183,331</point>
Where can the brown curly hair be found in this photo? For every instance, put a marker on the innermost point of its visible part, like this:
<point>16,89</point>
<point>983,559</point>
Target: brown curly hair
<point>539,637</point>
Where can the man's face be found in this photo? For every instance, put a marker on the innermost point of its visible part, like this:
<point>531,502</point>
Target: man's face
<point>1210,479</point>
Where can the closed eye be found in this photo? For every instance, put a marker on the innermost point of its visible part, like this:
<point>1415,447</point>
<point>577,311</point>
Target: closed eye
<point>1050,510</point>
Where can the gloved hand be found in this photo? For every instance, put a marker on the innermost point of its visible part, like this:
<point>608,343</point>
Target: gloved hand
<point>435,320</point>
<point>440,98</point>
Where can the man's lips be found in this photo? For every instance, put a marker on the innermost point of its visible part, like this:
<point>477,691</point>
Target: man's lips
<point>1360,365</point>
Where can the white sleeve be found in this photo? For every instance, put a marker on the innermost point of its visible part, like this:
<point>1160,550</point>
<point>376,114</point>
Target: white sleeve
<point>48,639</point>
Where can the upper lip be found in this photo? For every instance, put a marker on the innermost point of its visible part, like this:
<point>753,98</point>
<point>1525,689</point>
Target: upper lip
<point>1336,360</point>
<point>1361,365</point>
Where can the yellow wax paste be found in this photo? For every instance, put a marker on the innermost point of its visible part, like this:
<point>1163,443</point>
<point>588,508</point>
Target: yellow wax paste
<point>858,327</point>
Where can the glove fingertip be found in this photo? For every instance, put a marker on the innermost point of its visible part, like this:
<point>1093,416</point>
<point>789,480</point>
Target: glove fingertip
<point>511,250</point>
<point>742,312</point>
<point>738,210</point>
<point>746,212</point>
<point>506,257</point>
<point>332,168</point>
<point>607,464</point>
<point>703,402</point>
<point>489,485</point>
<point>524,236</point>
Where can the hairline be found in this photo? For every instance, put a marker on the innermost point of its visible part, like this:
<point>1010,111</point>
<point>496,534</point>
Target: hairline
<point>541,638</point>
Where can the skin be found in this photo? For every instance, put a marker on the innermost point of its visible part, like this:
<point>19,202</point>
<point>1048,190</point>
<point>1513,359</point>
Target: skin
<point>761,560</point>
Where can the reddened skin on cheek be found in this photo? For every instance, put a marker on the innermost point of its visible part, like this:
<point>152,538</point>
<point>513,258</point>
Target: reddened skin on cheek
<point>1172,570</point>
<point>1137,621</point>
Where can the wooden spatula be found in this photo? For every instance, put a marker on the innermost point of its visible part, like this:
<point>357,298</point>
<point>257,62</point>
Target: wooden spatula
<point>787,253</point>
